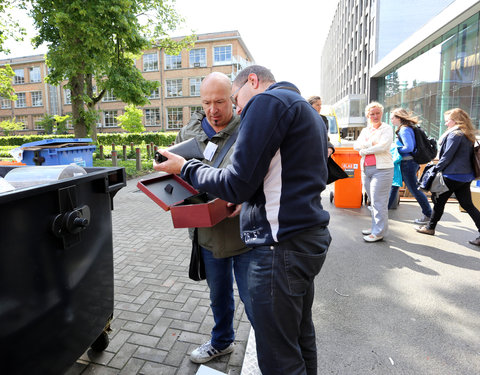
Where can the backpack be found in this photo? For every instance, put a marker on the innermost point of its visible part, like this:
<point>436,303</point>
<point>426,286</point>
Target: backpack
<point>425,148</point>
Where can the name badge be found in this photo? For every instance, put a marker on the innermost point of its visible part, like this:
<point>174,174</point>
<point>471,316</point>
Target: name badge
<point>210,151</point>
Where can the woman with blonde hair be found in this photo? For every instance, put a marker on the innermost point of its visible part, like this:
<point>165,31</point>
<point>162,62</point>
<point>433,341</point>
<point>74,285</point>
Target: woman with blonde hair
<point>455,163</point>
<point>373,145</point>
<point>404,122</point>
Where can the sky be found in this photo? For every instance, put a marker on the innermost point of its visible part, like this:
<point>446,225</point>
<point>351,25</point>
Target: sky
<point>287,37</point>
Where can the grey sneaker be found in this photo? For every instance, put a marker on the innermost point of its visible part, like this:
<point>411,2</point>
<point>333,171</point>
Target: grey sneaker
<point>206,352</point>
<point>423,220</point>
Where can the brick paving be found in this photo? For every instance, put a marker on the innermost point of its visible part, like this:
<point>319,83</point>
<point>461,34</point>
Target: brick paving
<point>160,315</point>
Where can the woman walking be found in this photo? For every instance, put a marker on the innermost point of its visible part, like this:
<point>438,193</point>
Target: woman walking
<point>455,163</point>
<point>404,122</point>
<point>373,145</point>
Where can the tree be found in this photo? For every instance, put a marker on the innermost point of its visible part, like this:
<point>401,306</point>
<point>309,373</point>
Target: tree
<point>10,126</point>
<point>131,120</point>
<point>99,39</point>
<point>6,87</point>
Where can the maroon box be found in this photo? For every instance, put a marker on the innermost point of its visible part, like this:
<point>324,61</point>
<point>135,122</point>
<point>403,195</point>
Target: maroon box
<point>172,193</point>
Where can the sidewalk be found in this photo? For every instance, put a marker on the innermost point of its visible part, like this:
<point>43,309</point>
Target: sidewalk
<point>406,305</point>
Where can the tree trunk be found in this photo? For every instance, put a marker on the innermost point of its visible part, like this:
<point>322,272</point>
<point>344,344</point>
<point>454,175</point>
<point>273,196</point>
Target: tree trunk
<point>78,106</point>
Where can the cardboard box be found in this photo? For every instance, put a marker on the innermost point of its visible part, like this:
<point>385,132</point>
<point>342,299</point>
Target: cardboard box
<point>475,199</point>
<point>189,208</point>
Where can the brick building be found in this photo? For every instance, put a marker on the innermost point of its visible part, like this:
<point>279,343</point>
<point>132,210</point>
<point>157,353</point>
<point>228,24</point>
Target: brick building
<point>171,105</point>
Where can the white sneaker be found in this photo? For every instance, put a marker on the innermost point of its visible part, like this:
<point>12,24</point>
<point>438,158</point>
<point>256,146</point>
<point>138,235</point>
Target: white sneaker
<point>206,352</point>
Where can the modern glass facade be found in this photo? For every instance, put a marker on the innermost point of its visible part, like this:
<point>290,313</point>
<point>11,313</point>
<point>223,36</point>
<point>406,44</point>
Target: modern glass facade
<point>443,75</point>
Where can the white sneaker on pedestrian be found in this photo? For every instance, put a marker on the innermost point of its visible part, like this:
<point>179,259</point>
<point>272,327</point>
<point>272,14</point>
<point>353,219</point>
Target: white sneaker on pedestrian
<point>423,220</point>
<point>206,352</point>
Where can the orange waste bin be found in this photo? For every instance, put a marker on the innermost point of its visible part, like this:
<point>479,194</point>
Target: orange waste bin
<point>348,191</point>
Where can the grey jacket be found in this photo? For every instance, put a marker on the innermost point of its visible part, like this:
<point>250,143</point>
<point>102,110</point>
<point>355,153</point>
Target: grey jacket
<point>223,239</point>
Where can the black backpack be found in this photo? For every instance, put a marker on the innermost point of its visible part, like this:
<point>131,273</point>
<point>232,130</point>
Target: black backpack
<point>425,148</point>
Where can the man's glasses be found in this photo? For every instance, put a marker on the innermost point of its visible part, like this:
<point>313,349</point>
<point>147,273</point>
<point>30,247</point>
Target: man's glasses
<point>233,97</point>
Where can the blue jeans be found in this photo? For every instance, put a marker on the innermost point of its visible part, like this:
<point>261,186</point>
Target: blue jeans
<point>281,286</point>
<point>409,174</point>
<point>219,273</point>
<point>393,199</point>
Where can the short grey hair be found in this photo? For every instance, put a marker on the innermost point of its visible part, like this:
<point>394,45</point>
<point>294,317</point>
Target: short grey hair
<point>263,74</point>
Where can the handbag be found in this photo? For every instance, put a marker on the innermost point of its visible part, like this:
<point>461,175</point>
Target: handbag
<point>438,185</point>
<point>476,160</point>
<point>335,172</point>
<point>196,270</point>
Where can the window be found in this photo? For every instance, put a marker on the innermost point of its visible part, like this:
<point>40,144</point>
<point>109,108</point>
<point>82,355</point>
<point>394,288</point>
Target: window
<point>198,58</point>
<point>109,97</point>
<point>6,103</point>
<point>174,88</point>
<point>194,109</point>
<point>20,102</point>
<point>222,55</point>
<point>22,120</point>
<point>152,117</point>
<point>195,86</point>
<point>155,94</point>
<point>67,96</point>
<point>36,122</point>
<point>173,61</point>
<point>110,118</point>
<point>19,76</point>
<point>35,75</point>
<point>174,117</point>
<point>150,62</point>
<point>37,99</point>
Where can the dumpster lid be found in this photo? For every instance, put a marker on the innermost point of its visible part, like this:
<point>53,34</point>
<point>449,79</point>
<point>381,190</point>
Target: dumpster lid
<point>57,142</point>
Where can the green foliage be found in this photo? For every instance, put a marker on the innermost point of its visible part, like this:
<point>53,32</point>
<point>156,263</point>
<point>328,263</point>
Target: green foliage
<point>9,25</point>
<point>48,123</point>
<point>10,126</point>
<point>129,165</point>
<point>162,139</point>
<point>131,120</point>
<point>61,122</point>
<point>6,87</point>
<point>101,39</point>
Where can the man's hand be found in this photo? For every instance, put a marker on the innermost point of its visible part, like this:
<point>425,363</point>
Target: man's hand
<point>237,210</point>
<point>173,165</point>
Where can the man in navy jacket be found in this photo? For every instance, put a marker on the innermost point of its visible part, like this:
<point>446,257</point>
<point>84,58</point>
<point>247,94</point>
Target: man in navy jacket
<point>278,170</point>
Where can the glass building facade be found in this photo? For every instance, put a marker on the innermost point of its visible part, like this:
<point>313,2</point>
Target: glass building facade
<point>443,75</point>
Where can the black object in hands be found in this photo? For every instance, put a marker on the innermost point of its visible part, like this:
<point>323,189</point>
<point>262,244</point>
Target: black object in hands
<point>189,149</point>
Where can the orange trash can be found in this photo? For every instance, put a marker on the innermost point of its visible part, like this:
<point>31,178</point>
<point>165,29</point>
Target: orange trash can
<point>348,191</point>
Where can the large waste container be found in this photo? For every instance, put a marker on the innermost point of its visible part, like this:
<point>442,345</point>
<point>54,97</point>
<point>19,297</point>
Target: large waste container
<point>56,270</point>
<point>348,191</point>
<point>59,151</point>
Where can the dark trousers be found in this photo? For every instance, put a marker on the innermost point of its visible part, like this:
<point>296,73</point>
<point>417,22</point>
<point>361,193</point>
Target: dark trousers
<point>281,286</point>
<point>464,197</point>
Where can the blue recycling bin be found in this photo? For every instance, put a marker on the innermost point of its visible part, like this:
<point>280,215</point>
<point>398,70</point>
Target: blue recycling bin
<point>59,151</point>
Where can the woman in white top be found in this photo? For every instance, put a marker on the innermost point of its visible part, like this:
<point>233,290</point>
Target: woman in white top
<point>374,144</point>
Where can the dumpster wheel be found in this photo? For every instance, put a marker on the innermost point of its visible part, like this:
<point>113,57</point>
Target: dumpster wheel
<point>101,343</point>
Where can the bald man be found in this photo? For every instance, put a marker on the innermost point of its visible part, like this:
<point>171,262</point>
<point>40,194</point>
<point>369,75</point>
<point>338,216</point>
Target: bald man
<point>223,251</point>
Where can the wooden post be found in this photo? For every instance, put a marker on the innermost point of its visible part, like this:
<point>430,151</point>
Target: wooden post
<point>148,151</point>
<point>131,147</point>
<point>124,152</point>
<point>137,157</point>
<point>114,158</point>
<point>113,146</point>
<point>102,156</point>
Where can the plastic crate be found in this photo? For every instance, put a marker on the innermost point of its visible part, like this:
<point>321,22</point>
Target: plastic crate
<point>59,151</point>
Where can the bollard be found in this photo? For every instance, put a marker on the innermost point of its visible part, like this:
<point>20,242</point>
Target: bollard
<point>113,146</point>
<point>155,149</point>
<point>131,147</point>
<point>114,158</point>
<point>124,152</point>
<point>101,156</point>
<point>137,157</point>
<point>151,147</point>
<point>148,151</point>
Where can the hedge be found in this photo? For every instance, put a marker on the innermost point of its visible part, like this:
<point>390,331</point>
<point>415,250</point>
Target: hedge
<point>158,138</point>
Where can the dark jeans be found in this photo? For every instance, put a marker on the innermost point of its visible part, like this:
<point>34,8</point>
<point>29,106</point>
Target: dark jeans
<point>393,199</point>
<point>281,286</point>
<point>219,273</point>
<point>409,170</point>
<point>464,197</point>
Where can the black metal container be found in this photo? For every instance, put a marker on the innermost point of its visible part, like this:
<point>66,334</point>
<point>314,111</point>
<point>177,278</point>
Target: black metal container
<point>56,271</point>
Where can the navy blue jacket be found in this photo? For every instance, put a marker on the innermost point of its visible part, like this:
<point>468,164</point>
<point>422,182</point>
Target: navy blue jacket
<point>456,153</point>
<point>278,169</point>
